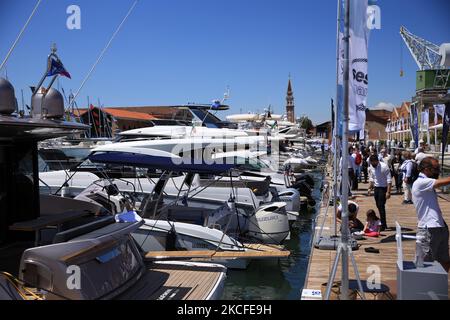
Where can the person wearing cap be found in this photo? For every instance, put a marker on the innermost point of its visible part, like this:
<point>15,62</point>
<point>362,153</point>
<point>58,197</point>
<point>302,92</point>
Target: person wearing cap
<point>421,145</point>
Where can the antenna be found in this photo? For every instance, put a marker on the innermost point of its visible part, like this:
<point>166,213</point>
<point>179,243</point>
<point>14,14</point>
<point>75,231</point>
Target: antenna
<point>226,95</point>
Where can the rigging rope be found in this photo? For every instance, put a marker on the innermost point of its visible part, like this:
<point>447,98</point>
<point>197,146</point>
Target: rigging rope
<point>20,35</point>
<point>104,50</point>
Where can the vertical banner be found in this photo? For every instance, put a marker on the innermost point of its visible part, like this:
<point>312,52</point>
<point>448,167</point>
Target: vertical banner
<point>414,124</point>
<point>438,110</point>
<point>425,119</point>
<point>359,79</point>
<point>445,127</point>
<point>340,84</point>
<point>332,115</point>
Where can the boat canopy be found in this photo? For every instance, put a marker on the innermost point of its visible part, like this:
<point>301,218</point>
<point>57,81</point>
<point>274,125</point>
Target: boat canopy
<point>158,159</point>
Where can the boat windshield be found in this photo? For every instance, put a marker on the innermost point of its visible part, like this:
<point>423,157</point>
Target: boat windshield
<point>248,164</point>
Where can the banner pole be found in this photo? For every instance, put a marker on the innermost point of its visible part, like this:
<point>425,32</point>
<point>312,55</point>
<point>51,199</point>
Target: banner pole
<point>345,158</point>
<point>335,132</point>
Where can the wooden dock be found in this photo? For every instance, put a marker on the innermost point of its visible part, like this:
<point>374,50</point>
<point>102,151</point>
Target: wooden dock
<point>321,261</point>
<point>251,251</point>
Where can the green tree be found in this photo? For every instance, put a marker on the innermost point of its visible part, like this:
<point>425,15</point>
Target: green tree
<point>306,123</point>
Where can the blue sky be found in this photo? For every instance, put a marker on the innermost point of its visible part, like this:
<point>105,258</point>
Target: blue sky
<point>179,51</point>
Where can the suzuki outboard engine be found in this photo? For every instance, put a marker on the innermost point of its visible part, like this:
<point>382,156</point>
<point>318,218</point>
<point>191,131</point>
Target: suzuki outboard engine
<point>270,224</point>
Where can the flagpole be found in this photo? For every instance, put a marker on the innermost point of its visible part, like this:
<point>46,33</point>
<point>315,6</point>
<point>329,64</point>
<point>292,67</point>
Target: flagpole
<point>336,134</point>
<point>344,167</point>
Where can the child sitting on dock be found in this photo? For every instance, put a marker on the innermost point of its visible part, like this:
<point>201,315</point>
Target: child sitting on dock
<point>373,224</point>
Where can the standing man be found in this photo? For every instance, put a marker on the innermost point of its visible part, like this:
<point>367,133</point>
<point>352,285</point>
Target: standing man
<point>406,169</point>
<point>380,181</point>
<point>431,229</point>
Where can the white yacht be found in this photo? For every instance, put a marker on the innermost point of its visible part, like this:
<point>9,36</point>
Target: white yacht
<point>35,259</point>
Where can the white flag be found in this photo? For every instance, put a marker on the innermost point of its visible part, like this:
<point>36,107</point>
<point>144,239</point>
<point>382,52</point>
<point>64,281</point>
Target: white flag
<point>435,117</point>
<point>359,79</point>
<point>439,109</point>
<point>425,118</point>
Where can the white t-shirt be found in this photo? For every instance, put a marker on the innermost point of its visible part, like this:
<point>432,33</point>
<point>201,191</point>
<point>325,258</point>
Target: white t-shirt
<point>424,196</point>
<point>380,176</point>
<point>406,168</point>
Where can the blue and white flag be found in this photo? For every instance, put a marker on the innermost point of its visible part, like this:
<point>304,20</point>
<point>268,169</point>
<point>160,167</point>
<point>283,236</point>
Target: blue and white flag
<point>56,67</point>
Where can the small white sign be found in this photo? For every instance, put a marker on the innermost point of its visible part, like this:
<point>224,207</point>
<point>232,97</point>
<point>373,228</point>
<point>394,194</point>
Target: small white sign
<point>308,294</point>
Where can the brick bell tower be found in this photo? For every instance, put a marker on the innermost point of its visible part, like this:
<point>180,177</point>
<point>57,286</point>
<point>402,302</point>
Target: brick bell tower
<point>290,103</point>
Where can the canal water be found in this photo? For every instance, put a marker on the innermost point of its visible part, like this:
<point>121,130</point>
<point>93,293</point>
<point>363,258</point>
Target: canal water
<point>283,279</point>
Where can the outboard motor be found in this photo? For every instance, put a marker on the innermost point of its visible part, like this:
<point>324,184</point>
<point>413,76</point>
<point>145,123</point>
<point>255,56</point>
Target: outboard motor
<point>228,219</point>
<point>49,105</point>
<point>8,102</point>
<point>292,198</point>
<point>270,224</point>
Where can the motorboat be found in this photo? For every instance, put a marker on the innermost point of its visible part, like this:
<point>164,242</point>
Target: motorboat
<point>85,247</point>
<point>269,223</point>
<point>179,132</point>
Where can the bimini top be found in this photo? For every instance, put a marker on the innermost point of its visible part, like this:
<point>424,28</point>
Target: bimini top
<point>157,159</point>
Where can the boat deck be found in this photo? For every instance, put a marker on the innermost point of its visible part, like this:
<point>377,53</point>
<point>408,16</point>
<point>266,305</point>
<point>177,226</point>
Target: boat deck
<point>321,261</point>
<point>171,281</point>
<point>253,251</point>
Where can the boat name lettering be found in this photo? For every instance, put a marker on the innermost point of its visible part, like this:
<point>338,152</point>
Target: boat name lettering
<point>270,218</point>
